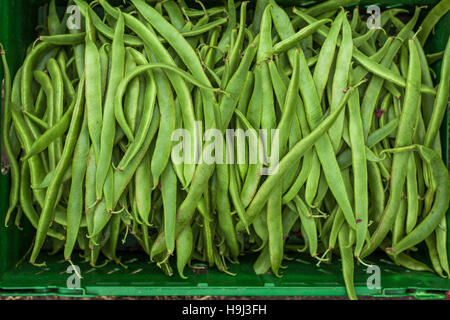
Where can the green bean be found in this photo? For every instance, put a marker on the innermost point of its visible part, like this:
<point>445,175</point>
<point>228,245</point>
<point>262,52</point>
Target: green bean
<point>441,244</point>
<point>143,189</point>
<point>347,260</point>
<point>163,144</point>
<point>312,181</point>
<point>386,73</point>
<point>108,125</point>
<point>35,163</point>
<point>326,56</point>
<point>54,25</point>
<point>359,165</point>
<point>169,193</point>
<point>262,263</point>
<point>374,87</point>
<point>258,14</point>
<point>64,39</point>
<point>44,80</point>
<point>244,100</point>
<point>68,87</point>
<point>51,134</point>
<point>235,50</point>
<point>41,104</point>
<point>323,146</point>
<point>122,178</point>
<point>326,6</point>
<point>268,117</point>
<point>166,63</point>
<point>288,160</point>
<point>358,41</point>
<point>103,28</point>
<point>431,19</point>
<point>194,13</point>
<point>398,230</point>
<point>58,100</point>
<point>433,57</point>
<point>175,14</point>
<point>139,70</point>
<point>184,249</point>
<point>340,81</point>
<point>430,242</point>
<point>204,28</point>
<point>223,208</point>
<point>52,191</point>
<point>274,203</point>
<point>74,205</point>
<point>27,73</point>
<point>400,160</point>
<point>41,123</point>
<point>441,201</point>
<point>13,165</point>
<point>283,26</point>
<point>309,224</point>
<point>133,99</point>
<point>234,87</point>
<point>108,191</point>
<point>293,40</point>
<point>412,195</point>
<point>234,193</point>
<point>441,99</point>
<point>26,201</point>
<point>344,159</point>
<point>377,194</point>
<point>92,73</point>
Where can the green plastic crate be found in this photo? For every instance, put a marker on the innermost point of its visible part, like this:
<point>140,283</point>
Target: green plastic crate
<point>302,278</point>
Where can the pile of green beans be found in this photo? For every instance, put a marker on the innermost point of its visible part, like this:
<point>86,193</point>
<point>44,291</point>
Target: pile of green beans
<point>89,116</point>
